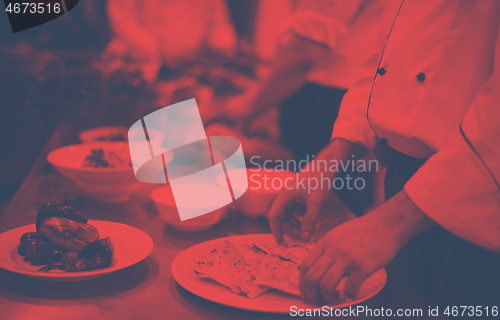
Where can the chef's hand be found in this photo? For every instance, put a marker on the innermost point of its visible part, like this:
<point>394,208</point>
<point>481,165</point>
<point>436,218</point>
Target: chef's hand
<point>295,211</point>
<point>358,248</point>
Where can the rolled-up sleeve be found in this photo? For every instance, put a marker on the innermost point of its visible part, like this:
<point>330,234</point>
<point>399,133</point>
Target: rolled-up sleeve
<point>351,123</point>
<point>458,187</point>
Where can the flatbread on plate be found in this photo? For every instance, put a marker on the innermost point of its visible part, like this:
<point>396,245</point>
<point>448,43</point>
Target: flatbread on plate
<point>253,269</point>
<point>227,266</point>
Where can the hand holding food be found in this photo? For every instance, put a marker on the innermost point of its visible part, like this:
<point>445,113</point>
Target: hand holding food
<point>358,248</point>
<point>253,269</point>
<point>354,250</point>
<point>295,212</point>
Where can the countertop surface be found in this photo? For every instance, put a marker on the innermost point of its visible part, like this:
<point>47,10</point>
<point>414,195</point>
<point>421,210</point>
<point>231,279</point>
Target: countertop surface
<point>147,289</point>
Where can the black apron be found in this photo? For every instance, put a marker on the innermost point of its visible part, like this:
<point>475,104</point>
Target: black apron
<point>451,271</point>
<point>307,119</point>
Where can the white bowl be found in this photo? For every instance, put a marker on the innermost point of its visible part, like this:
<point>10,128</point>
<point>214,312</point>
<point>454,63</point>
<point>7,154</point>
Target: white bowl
<point>155,137</point>
<point>165,204</point>
<point>104,184</point>
<point>264,185</point>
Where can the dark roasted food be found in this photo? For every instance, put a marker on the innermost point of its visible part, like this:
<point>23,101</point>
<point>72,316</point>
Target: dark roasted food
<point>51,267</point>
<point>98,254</point>
<point>38,250</point>
<point>25,238</point>
<point>96,160</point>
<point>60,229</point>
<point>52,209</point>
<point>67,233</point>
<point>107,159</point>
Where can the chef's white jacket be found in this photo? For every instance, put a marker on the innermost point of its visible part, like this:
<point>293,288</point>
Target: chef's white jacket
<point>434,93</point>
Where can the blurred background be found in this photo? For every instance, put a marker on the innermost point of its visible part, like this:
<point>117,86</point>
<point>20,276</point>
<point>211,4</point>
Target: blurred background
<point>112,62</point>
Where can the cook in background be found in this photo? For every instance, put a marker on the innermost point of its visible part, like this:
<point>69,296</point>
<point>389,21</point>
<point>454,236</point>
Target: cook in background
<point>170,32</point>
<point>183,36</point>
<point>321,47</point>
<point>431,116</point>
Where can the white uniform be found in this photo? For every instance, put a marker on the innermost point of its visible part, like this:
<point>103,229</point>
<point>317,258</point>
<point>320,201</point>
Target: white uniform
<point>436,95</point>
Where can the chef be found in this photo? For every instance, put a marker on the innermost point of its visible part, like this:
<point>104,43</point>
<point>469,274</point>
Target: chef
<point>321,48</point>
<point>170,32</point>
<point>431,114</point>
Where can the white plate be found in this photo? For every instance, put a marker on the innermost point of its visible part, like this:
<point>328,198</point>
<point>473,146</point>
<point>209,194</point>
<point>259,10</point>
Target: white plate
<point>131,246</point>
<point>270,302</point>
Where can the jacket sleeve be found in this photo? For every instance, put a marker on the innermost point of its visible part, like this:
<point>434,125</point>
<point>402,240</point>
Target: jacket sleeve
<point>458,187</point>
<point>322,21</point>
<point>351,123</point>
